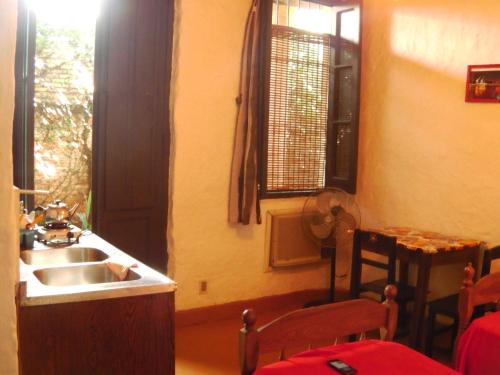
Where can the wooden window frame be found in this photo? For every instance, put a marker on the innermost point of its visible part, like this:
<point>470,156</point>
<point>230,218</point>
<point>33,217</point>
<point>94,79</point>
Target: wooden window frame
<point>331,179</point>
<point>24,113</point>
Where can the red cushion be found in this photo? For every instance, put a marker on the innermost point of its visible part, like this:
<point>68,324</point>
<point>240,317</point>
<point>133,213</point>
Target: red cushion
<point>479,348</point>
<point>369,357</point>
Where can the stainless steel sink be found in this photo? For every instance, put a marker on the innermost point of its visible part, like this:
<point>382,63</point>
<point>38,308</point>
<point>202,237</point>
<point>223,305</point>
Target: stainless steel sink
<point>62,256</point>
<point>80,275</point>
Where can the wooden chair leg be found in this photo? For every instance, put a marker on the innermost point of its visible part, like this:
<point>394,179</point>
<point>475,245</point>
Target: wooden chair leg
<point>454,332</point>
<point>429,340</point>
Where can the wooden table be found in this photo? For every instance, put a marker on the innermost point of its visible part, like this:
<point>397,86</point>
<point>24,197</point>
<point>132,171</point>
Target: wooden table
<point>425,250</point>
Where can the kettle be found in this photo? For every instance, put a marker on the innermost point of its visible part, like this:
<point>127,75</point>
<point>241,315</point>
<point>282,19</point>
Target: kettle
<point>57,215</point>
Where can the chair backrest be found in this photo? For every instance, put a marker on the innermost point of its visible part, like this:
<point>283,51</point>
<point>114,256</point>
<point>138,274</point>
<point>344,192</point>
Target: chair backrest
<point>306,326</point>
<point>489,256</point>
<point>485,290</point>
<point>376,243</point>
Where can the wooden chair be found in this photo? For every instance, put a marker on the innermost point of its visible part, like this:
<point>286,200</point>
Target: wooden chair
<point>486,290</point>
<point>305,326</point>
<point>489,256</point>
<point>448,306</point>
<point>383,245</point>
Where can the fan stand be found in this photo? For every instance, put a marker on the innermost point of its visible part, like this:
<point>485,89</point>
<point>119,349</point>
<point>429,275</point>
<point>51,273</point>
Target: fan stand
<point>331,252</point>
<point>322,212</point>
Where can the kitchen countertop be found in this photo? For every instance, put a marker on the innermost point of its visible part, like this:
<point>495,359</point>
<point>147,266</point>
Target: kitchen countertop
<point>32,292</point>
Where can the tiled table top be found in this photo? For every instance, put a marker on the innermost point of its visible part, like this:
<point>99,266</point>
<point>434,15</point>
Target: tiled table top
<point>428,242</point>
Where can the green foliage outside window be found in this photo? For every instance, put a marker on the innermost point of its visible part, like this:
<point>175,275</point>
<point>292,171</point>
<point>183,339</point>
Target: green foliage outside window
<point>64,69</point>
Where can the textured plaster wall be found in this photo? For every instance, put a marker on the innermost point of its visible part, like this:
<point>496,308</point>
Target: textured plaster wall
<point>427,158</point>
<point>203,246</point>
<point>8,244</point>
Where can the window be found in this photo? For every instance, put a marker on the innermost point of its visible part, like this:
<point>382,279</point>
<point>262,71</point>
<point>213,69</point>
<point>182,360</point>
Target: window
<point>311,110</point>
<point>91,88</point>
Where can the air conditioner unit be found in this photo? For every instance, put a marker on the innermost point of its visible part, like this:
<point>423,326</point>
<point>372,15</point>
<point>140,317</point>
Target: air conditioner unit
<point>286,242</point>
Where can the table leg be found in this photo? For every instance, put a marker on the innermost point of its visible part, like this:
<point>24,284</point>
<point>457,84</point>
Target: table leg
<point>476,258</point>
<point>403,281</point>
<point>424,271</point>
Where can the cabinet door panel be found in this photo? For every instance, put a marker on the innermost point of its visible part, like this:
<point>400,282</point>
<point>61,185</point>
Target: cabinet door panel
<point>132,335</point>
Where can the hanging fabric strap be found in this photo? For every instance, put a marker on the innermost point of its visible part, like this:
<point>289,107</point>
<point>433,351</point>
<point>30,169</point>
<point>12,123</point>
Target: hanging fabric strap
<point>244,194</point>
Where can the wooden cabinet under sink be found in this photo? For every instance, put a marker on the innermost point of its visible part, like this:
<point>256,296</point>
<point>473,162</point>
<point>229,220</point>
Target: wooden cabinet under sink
<point>132,335</point>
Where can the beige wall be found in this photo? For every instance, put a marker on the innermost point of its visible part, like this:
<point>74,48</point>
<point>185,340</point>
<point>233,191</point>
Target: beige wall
<point>203,246</point>
<point>8,244</point>
<point>427,158</point>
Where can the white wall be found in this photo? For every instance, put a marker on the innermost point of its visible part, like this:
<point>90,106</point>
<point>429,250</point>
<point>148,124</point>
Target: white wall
<point>9,251</point>
<point>428,159</point>
<point>203,246</point>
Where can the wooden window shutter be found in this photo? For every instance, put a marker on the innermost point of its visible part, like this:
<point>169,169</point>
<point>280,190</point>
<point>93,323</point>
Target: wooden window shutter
<point>131,127</point>
<point>342,153</point>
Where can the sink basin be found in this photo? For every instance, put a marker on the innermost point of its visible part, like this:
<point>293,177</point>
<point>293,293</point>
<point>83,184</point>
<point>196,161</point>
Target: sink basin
<point>80,275</point>
<point>62,256</point>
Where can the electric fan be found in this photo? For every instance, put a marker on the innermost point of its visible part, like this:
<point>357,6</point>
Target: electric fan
<point>329,219</point>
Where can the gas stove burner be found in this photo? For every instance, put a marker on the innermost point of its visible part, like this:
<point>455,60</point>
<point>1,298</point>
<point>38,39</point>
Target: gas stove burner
<point>50,226</point>
<point>59,236</point>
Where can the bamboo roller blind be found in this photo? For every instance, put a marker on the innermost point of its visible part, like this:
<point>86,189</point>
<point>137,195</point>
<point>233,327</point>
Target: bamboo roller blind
<point>298,109</point>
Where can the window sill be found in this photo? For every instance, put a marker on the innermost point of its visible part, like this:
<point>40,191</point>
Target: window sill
<point>287,194</point>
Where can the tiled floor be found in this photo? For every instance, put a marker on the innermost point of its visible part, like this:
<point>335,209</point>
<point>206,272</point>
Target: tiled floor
<point>212,348</point>
<point>207,349</point>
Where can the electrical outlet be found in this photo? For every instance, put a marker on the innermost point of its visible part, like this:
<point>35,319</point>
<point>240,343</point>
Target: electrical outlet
<point>203,287</point>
